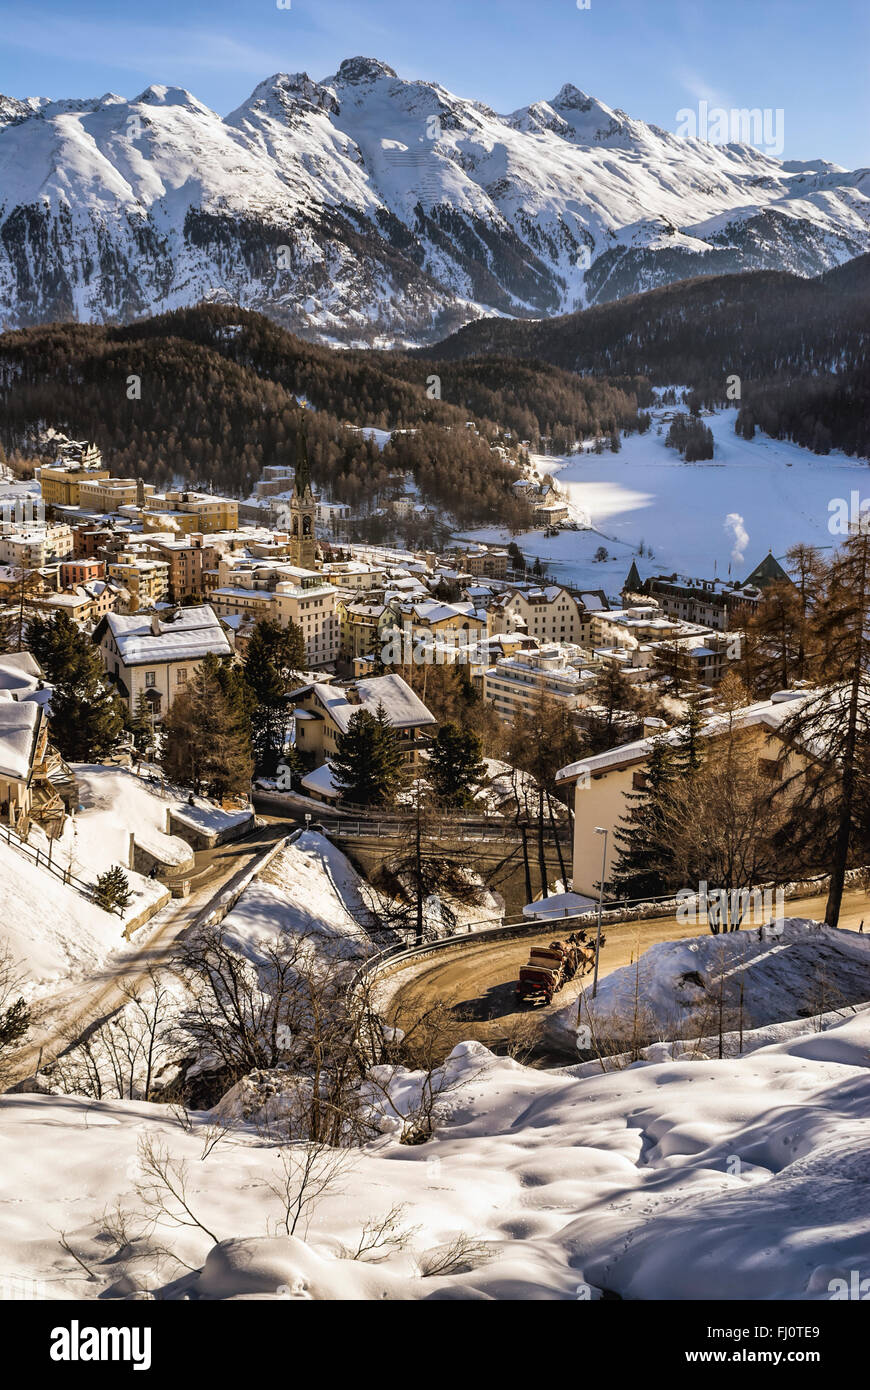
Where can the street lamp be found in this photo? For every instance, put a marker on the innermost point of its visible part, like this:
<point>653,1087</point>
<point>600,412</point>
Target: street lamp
<point>599,830</point>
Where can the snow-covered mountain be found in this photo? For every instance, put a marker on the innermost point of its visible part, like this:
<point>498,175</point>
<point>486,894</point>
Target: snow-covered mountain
<point>372,208</point>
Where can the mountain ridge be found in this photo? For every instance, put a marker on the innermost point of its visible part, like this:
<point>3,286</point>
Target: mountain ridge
<point>366,208</point>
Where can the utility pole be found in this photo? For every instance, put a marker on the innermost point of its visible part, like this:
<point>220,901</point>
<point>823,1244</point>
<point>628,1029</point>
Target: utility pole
<point>599,830</point>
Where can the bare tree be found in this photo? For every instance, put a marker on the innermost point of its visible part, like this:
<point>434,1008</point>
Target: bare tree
<point>14,1012</point>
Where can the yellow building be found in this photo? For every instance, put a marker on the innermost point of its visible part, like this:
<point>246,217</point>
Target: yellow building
<point>105,494</point>
<point>188,512</point>
<point>146,580</point>
<point>61,484</point>
<point>604,782</point>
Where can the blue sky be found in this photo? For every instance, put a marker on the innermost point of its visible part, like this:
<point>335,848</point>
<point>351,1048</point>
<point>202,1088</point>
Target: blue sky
<point>651,57</point>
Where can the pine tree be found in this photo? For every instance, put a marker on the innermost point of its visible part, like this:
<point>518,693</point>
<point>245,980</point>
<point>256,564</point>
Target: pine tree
<point>274,660</point>
<point>140,725</point>
<point>54,641</point>
<point>367,763</point>
<point>86,714</point>
<point>19,612</point>
<point>614,694</point>
<point>689,747</point>
<point>205,743</point>
<point>643,836</point>
<point>112,891</point>
<point>455,766</point>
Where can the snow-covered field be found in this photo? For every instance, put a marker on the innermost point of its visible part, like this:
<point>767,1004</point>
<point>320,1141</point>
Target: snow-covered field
<point>746,1178</point>
<point>774,491</point>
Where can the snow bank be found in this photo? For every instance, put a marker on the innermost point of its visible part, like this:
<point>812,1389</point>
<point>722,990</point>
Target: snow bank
<point>309,889</point>
<point>673,990</point>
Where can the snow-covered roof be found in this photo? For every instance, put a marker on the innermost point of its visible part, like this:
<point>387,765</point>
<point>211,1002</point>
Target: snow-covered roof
<point>321,781</point>
<point>188,636</point>
<point>768,713</point>
<point>19,726</point>
<point>403,708</point>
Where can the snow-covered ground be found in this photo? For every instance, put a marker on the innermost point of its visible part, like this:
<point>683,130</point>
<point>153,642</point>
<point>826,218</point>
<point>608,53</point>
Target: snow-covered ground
<point>774,491</point>
<point>309,889</point>
<point>53,931</point>
<point>744,1178</point>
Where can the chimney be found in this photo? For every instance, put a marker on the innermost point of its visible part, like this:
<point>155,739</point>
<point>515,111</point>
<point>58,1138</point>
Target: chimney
<point>155,624</point>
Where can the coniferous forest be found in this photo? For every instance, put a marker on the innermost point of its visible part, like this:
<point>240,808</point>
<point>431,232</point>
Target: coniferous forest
<point>799,347</point>
<point>209,396</point>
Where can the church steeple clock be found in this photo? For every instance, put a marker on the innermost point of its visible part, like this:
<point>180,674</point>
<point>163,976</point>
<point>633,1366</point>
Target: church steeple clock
<point>303,509</point>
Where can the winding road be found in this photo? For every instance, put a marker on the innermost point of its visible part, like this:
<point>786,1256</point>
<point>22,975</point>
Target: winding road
<point>477,981</point>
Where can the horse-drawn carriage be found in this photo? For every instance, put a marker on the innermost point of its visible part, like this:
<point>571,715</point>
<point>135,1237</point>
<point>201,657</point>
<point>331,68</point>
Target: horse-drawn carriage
<point>550,967</point>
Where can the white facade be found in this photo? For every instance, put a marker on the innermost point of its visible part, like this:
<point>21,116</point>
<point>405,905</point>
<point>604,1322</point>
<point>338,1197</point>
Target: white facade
<point>159,655</point>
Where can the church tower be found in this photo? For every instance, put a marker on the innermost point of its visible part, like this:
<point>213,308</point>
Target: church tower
<point>303,509</point>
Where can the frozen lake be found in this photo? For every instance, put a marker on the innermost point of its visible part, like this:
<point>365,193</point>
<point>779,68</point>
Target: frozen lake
<point>646,494</point>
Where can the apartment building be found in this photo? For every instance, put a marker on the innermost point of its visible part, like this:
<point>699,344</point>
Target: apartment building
<point>285,594</point>
<point>188,560</point>
<point>356,575</point>
<point>419,623</point>
<point>34,548</point>
<point>711,602</point>
<point>359,623</point>
<point>105,494</point>
<point>189,512</point>
<point>483,562</point>
<point>549,613</point>
<point>145,579</point>
<point>80,572</point>
<point>604,783</point>
<point>95,542</point>
<point>515,683</point>
<point>323,712</point>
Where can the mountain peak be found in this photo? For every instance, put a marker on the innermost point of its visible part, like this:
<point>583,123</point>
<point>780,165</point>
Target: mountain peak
<point>284,94</point>
<point>159,95</point>
<point>356,70</point>
<point>570,98</point>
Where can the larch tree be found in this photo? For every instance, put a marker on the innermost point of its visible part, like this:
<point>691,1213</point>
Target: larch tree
<point>830,797</point>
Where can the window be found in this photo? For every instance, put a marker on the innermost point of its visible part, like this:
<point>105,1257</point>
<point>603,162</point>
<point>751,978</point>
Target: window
<point>182,675</point>
<point>770,768</point>
<point>638,781</point>
<point>150,679</point>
